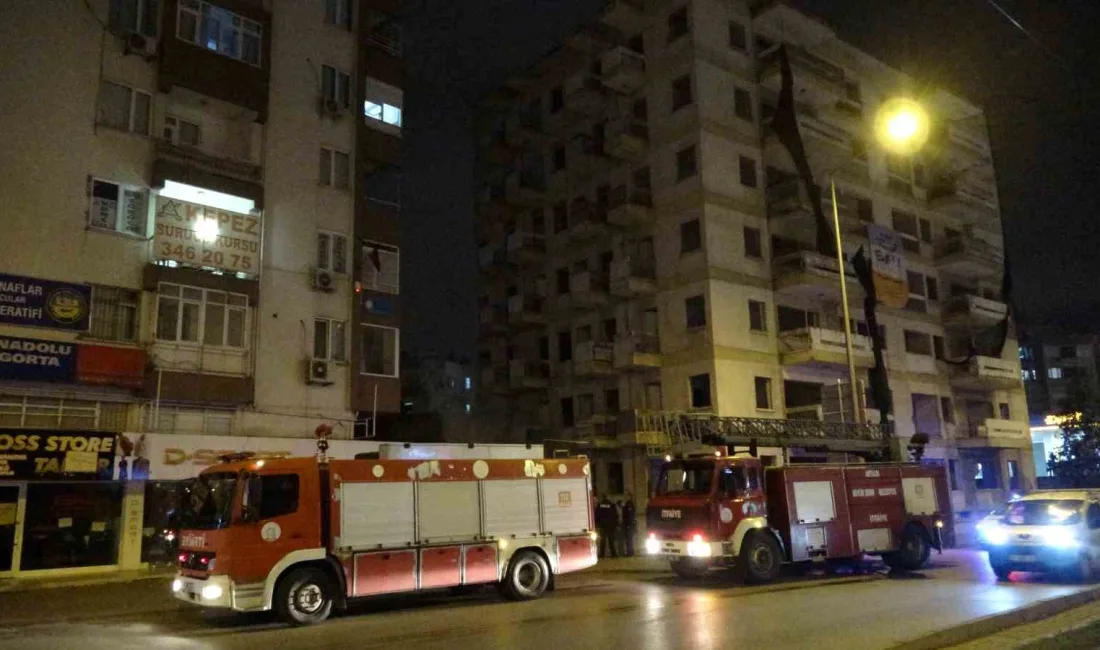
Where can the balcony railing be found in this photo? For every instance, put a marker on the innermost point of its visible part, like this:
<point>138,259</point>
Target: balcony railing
<point>630,206</point>
<point>386,37</point>
<point>199,159</point>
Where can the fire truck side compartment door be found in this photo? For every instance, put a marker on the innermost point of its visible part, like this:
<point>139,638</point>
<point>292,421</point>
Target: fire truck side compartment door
<point>920,495</point>
<point>376,514</point>
<point>511,507</point>
<point>565,505</point>
<point>448,511</point>
<point>813,501</point>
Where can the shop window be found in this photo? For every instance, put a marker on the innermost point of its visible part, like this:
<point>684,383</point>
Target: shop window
<point>70,525</point>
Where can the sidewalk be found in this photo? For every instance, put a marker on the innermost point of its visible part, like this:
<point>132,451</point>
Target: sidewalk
<point>13,585</point>
<point>1072,629</point>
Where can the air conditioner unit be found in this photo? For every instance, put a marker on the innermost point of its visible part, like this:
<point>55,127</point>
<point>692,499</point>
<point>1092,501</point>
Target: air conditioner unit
<point>323,280</point>
<point>134,43</point>
<point>317,372</point>
<point>332,108</point>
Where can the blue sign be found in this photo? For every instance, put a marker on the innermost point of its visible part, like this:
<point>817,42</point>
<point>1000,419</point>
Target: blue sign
<point>44,303</point>
<point>36,360</point>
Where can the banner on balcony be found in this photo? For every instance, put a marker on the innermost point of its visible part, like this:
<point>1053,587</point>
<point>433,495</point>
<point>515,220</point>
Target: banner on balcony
<point>888,266</point>
<point>202,236</point>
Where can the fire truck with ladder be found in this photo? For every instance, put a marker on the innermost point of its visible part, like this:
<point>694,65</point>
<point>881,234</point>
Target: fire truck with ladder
<point>304,536</point>
<point>716,510</point>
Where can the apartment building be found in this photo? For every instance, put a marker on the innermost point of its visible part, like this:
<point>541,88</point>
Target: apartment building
<point>1058,367</point>
<point>646,245</point>
<point>200,221</point>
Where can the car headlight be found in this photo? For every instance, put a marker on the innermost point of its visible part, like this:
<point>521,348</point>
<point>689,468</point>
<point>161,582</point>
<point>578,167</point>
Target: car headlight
<point>1060,537</point>
<point>652,545</point>
<point>698,547</point>
<point>177,586</point>
<point>211,592</point>
<point>994,533</point>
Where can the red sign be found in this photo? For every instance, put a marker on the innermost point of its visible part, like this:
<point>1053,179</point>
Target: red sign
<point>110,366</point>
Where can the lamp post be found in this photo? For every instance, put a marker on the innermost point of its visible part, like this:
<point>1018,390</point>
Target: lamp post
<point>857,412</point>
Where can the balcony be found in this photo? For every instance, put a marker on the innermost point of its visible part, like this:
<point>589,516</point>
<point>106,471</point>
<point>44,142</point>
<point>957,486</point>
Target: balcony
<point>528,375</point>
<point>587,220</point>
<point>789,198</point>
<point>823,348</point>
<point>525,311</point>
<point>492,319</point>
<point>974,310</point>
<point>967,202</point>
<point>630,207</point>
<point>968,257</point>
<point>811,276</point>
<point>526,248</point>
<point>631,278</point>
<point>965,146</point>
<point>986,373</point>
<point>623,70</point>
<point>588,289</point>
<point>592,359</point>
<point>816,81</point>
<point>494,379</point>
<point>242,170</point>
<point>524,190</point>
<point>637,352</point>
<point>586,97</point>
<point>994,429</point>
<point>595,429</point>
<point>626,16</point>
<point>626,138</point>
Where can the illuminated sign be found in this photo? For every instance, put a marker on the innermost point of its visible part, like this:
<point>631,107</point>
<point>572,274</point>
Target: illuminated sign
<point>1059,420</point>
<point>25,454</point>
<point>44,303</point>
<point>198,235</point>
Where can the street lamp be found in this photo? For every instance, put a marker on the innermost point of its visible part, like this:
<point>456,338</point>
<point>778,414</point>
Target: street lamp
<point>901,127</point>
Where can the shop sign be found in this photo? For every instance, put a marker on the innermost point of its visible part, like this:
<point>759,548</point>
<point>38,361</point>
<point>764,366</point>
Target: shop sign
<point>199,235</point>
<point>28,454</point>
<point>110,366</point>
<point>36,359</point>
<point>33,302</point>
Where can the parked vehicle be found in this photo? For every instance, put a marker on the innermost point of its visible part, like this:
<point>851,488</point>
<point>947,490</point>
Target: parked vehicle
<point>1046,531</point>
<point>714,511</point>
<point>303,537</point>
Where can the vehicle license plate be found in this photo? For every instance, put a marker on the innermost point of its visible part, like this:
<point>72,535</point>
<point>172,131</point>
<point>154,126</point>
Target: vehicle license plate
<point>1021,558</point>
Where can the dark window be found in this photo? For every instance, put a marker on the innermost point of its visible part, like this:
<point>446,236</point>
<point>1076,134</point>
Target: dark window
<point>92,512</point>
<point>865,210</point>
<point>739,40</point>
<point>859,149</point>
<point>1005,413</point>
<point>615,482</point>
<point>763,387</point>
<point>852,92</point>
<point>947,411</point>
<point>918,343</point>
<point>700,391</point>
<point>1067,352</point>
<point>383,185</point>
<point>565,345</point>
<point>731,481</point>
<point>937,347</point>
<point>538,223</point>
<point>568,419</point>
<point>747,168</point>
<point>636,43</point>
<point>691,237</point>
<point>933,288</point>
<point>544,348</point>
<point>559,158</point>
<point>926,230</point>
<point>563,281</point>
<point>681,92</point>
<point>677,24</point>
<point>753,246</point>
<point>758,316</point>
<point>278,495</point>
<point>695,309</point>
<point>557,99</point>
<point>742,104</point>
<point>916,283</point>
<point>951,470</point>
<point>561,217</point>
<point>685,163</point>
<point>640,110</point>
<point>609,329</point>
<point>611,400</point>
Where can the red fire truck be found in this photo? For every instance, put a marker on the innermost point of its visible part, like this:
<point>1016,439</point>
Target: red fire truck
<point>719,511</point>
<point>303,536</point>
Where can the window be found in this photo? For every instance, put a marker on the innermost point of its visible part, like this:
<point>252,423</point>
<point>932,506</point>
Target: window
<point>329,339</point>
<point>747,170</point>
<point>685,163</point>
<point>616,483</point>
<point>568,417</point>
<point>559,158</point>
<point>1028,374</point>
<point>335,169</point>
<point>908,230</point>
<point>678,24</point>
<point>753,247</point>
<point>610,327</point>
<point>852,92</point>
<point>332,252</point>
<point>937,347</point>
<point>636,43</point>
<point>918,343</point>
<point>381,267</point>
<point>338,13</point>
<point>584,334</point>
<point>1014,480</point>
<point>194,315</point>
<point>1067,352</point>
<point>947,411</point>
<point>180,131</point>
<point>691,237</point>
<point>562,279</point>
<point>380,351</point>
<point>681,92</point>
<point>220,31</point>
<point>124,108</point>
<point>758,316</point>
<point>565,346</point>
<point>383,31</point>
<point>739,39</point>
<point>114,314</point>
<point>383,102</point>
<point>1006,414</point>
<point>335,86</point>
<point>1054,373</point>
<point>695,309</point>
<point>382,184</point>
<point>561,217</point>
<point>557,99</point>
<point>865,210</point>
<point>699,386</point>
<point>763,386</point>
<point>278,495</point>
<point>932,287</point>
<point>134,16</point>
<point>119,208</point>
<point>742,104</point>
<point>611,400</point>
<point>951,473</point>
<point>926,231</point>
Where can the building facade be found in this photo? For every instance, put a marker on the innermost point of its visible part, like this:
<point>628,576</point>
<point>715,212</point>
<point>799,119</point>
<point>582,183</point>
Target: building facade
<point>1056,365</point>
<point>646,245</point>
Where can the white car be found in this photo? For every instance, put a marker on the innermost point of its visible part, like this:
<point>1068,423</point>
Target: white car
<point>1046,531</point>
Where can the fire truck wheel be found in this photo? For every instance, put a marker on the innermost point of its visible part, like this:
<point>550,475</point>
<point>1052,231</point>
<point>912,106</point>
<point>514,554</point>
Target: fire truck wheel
<point>527,578</point>
<point>304,597</point>
<point>914,552</point>
<point>760,559</point>
<point>689,569</point>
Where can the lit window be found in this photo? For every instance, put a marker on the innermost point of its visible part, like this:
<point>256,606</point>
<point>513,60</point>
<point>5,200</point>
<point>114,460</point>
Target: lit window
<point>119,208</point>
<point>1054,373</point>
<point>467,383</point>
<point>383,103</point>
<point>221,31</point>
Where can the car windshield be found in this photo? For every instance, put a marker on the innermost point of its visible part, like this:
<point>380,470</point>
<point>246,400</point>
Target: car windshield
<point>680,477</point>
<point>209,501</point>
<point>1043,512</point>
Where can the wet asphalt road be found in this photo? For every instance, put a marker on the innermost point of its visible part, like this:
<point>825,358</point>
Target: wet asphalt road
<point>617,605</point>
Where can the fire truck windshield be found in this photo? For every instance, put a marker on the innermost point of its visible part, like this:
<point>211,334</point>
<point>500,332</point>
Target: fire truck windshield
<point>686,477</point>
<point>209,501</point>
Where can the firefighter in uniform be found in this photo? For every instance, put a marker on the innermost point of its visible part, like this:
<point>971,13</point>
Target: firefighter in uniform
<point>606,525</point>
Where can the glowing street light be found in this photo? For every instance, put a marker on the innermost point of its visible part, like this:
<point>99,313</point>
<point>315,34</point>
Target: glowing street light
<point>207,230</point>
<point>902,125</point>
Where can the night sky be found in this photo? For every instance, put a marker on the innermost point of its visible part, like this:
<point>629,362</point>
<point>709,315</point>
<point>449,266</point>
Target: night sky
<point>1043,110</point>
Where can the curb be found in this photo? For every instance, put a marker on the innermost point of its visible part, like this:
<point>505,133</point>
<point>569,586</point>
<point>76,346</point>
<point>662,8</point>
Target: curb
<point>995,623</point>
<point>16,585</point>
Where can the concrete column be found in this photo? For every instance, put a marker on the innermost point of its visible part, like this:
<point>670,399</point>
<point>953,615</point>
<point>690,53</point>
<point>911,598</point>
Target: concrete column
<point>133,515</point>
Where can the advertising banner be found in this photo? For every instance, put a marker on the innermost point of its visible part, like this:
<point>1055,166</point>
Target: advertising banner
<point>110,366</point>
<point>36,360</point>
<point>198,235</point>
<point>28,454</point>
<point>44,303</point>
<point>888,266</point>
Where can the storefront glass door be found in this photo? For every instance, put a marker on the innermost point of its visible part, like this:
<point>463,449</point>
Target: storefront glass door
<point>11,496</point>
